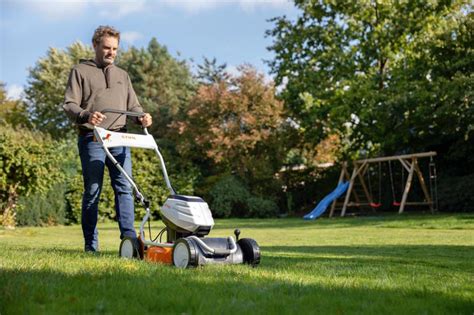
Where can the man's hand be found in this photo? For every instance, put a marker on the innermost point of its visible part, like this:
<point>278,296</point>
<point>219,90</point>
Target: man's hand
<point>146,120</point>
<point>96,118</point>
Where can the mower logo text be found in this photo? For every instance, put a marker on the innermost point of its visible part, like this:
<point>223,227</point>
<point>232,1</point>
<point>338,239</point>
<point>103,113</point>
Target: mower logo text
<point>128,137</point>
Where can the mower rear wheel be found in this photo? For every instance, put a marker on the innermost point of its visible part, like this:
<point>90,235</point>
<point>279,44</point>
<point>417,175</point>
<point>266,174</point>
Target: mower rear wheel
<point>129,248</point>
<point>184,253</point>
<point>250,251</point>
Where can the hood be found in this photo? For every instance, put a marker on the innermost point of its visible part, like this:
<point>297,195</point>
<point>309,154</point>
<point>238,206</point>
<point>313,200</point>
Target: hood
<point>92,63</point>
<point>105,70</point>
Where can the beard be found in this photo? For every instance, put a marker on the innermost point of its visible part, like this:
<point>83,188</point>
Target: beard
<point>107,60</point>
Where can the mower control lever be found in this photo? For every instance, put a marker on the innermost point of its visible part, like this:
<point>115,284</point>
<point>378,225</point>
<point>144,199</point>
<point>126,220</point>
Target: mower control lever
<point>237,233</point>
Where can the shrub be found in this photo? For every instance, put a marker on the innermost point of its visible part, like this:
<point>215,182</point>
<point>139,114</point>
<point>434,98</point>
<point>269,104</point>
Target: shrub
<point>262,208</point>
<point>231,197</point>
<point>30,163</point>
<point>455,193</point>
<point>41,209</point>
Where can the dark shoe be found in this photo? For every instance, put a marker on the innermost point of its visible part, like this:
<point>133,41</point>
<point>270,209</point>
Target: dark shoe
<point>90,250</point>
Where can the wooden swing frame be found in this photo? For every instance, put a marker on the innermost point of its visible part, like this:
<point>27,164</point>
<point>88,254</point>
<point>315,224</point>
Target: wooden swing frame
<point>408,161</point>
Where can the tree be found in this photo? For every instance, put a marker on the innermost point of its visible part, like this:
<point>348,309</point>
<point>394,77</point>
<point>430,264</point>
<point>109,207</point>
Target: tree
<point>210,72</point>
<point>233,128</point>
<point>347,69</point>
<point>12,112</point>
<point>46,86</point>
<point>434,90</point>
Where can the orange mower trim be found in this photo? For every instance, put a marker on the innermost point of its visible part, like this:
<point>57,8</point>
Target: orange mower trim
<point>159,254</point>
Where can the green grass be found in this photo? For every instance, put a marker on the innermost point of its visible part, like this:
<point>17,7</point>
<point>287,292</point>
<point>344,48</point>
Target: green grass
<point>372,265</point>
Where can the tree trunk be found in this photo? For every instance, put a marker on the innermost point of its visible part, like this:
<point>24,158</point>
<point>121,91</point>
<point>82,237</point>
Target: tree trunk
<point>8,217</point>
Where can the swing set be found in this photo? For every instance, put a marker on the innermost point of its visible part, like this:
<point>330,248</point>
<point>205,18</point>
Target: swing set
<point>365,171</point>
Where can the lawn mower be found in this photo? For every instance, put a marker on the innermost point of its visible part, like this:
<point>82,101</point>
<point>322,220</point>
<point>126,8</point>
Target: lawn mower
<point>188,219</point>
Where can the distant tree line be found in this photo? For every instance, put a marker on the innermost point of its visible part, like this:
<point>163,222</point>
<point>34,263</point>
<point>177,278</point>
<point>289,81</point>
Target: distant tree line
<point>361,79</point>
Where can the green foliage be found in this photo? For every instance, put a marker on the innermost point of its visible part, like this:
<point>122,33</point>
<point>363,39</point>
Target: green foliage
<point>231,198</point>
<point>228,195</point>
<point>12,112</point>
<point>455,193</point>
<point>40,209</point>
<point>30,159</point>
<point>376,72</point>
<point>46,87</point>
<point>210,72</point>
<point>259,207</point>
<point>31,163</point>
<point>234,126</point>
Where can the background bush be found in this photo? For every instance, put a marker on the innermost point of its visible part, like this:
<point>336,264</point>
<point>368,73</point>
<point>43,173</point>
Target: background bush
<point>31,163</point>
<point>230,197</point>
<point>455,194</point>
<point>40,209</point>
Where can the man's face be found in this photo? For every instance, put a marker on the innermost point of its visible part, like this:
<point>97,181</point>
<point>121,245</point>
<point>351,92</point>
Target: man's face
<point>106,50</point>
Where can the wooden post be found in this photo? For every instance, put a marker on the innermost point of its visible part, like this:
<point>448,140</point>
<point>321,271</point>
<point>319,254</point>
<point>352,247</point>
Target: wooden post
<point>407,185</point>
<point>341,178</point>
<point>368,195</point>
<point>351,186</point>
<point>349,189</point>
<point>423,186</point>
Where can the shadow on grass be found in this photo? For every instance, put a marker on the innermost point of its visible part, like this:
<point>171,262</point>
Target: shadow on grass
<point>458,258</point>
<point>162,289</point>
<point>65,252</point>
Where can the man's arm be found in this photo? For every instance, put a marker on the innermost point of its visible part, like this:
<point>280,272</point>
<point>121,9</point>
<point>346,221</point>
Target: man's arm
<point>73,99</point>
<point>134,106</point>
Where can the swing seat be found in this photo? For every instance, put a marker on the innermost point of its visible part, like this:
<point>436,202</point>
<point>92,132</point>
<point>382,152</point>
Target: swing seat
<point>375,205</point>
<point>396,204</point>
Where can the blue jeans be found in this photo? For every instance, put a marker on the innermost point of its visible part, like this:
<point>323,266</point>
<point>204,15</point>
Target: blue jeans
<point>93,160</point>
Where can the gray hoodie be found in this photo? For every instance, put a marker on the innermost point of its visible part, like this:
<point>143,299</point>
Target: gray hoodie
<point>91,88</point>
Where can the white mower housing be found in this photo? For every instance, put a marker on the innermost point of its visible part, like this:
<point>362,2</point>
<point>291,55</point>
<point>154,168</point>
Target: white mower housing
<point>188,213</point>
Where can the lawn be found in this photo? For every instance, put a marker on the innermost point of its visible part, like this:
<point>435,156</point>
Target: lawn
<point>410,264</point>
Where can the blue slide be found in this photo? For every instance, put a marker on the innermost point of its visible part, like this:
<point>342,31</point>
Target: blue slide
<point>324,204</point>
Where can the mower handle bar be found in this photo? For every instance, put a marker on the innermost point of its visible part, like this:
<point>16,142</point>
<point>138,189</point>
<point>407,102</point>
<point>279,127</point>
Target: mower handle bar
<point>123,112</point>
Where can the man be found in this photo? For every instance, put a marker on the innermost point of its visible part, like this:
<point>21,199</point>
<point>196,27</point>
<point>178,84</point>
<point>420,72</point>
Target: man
<point>95,85</point>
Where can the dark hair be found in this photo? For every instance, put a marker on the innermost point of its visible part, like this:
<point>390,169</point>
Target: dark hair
<point>102,31</point>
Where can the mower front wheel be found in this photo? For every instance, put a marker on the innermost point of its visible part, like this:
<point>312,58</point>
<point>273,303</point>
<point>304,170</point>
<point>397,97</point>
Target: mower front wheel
<point>184,253</point>
<point>250,251</point>
<point>129,248</point>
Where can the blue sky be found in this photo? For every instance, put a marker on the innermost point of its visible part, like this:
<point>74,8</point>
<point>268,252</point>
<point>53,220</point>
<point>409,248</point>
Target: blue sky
<point>232,31</point>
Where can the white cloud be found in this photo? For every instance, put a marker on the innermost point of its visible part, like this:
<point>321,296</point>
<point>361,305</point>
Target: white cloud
<point>131,37</point>
<point>55,9</point>
<point>191,6</point>
<point>14,91</point>
<point>252,5</point>
<point>117,9</point>
<point>64,9</point>
<point>196,6</point>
